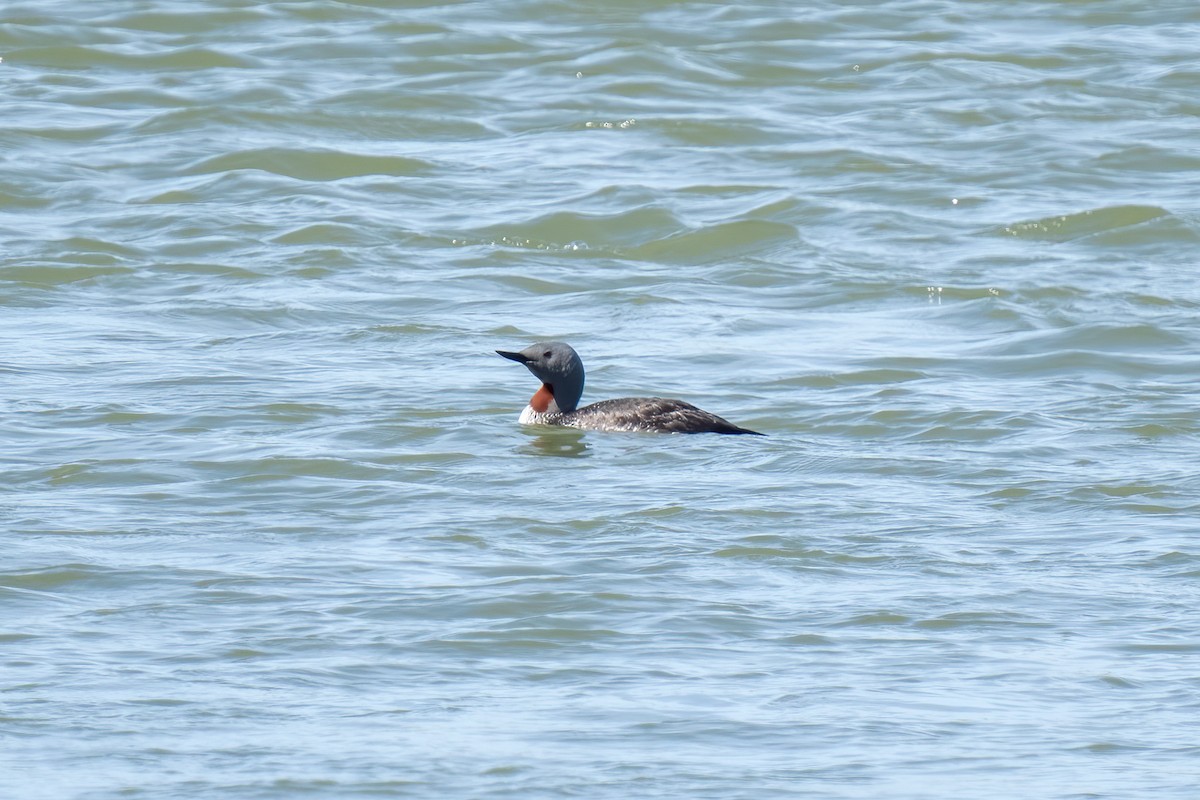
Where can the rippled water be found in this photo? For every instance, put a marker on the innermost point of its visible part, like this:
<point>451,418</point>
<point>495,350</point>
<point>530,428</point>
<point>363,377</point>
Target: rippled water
<point>273,530</point>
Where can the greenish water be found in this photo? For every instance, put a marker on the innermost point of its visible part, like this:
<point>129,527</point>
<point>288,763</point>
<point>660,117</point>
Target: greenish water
<point>273,529</point>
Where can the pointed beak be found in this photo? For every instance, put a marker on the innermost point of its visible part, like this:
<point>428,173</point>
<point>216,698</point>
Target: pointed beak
<point>514,356</point>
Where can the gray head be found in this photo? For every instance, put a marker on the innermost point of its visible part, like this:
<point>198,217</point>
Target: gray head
<point>557,366</point>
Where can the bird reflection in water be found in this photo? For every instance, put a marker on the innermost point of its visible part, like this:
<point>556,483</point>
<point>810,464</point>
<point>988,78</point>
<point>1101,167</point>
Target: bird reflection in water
<point>560,442</point>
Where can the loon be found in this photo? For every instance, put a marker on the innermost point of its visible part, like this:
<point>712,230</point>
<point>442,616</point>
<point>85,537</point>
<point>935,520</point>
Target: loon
<point>560,370</point>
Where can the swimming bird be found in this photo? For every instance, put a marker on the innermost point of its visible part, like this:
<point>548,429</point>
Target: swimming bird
<point>560,370</point>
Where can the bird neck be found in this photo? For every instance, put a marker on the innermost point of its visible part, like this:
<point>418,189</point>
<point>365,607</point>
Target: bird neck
<point>560,398</point>
<point>542,399</point>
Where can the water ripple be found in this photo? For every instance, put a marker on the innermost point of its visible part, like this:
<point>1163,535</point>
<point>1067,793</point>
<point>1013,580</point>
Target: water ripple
<point>263,472</point>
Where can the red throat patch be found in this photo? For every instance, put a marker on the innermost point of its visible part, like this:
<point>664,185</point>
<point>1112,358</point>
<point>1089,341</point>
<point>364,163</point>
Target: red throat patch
<point>541,399</point>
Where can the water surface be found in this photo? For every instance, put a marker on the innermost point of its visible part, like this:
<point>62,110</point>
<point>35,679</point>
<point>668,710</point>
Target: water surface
<point>273,530</point>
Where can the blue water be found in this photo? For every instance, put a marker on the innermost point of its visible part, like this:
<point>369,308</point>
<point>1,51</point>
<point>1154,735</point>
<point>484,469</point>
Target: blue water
<point>274,531</point>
